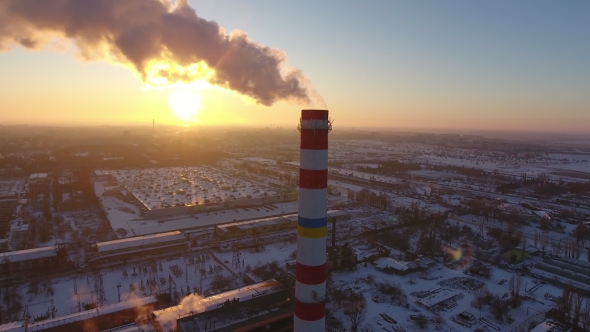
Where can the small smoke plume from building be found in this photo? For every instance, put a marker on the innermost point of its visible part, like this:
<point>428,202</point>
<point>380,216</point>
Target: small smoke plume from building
<point>165,43</point>
<point>188,305</point>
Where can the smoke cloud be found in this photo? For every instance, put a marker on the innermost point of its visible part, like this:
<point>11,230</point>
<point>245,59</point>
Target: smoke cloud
<point>165,43</point>
<point>191,303</point>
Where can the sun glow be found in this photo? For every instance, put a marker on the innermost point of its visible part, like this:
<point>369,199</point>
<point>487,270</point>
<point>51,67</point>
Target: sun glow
<point>184,103</point>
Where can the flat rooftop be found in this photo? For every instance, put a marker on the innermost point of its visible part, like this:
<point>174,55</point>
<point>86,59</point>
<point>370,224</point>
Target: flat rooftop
<point>437,297</point>
<point>265,301</point>
<point>159,188</point>
<point>11,188</point>
<point>38,176</point>
<point>275,220</point>
<point>193,304</point>
<point>87,314</point>
<point>27,254</point>
<point>137,241</point>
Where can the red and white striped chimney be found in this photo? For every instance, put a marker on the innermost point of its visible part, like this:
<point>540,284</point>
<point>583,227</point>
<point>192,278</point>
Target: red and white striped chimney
<point>310,289</point>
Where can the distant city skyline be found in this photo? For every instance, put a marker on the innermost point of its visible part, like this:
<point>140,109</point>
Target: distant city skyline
<point>508,66</point>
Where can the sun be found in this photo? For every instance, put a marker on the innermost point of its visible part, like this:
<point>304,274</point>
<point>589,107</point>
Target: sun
<point>184,103</point>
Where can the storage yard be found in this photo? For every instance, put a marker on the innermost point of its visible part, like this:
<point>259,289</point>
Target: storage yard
<point>160,188</point>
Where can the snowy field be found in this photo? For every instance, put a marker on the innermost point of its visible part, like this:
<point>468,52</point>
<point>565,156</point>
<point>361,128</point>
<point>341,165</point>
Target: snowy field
<point>165,187</point>
<point>555,164</point>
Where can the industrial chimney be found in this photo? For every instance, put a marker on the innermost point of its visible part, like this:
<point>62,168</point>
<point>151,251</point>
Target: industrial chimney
<point>310,289</point>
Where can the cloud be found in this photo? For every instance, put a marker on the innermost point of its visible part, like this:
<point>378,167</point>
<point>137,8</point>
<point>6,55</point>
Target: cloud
<point>164,42</point>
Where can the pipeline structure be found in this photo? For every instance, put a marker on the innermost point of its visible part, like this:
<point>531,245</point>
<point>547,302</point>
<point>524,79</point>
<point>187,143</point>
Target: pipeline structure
<point>310,288</point>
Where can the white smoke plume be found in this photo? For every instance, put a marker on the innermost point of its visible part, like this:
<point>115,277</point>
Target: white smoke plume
<point>165,43</point>
<point>191,303</point>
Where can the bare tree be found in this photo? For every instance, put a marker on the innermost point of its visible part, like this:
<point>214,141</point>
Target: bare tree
<point>577,301</point>
<point>543,246</point>
<point>517,286</point>
<point>356,309</point>
<point>585,317</point>
<point>479,298</point>
<point>557,248</point>
<point>564,302</point>
<point>511,285</point>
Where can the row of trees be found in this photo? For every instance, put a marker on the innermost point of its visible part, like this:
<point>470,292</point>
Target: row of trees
<point>369,198</point>
<point>574,308</point>
<point>389,167</point>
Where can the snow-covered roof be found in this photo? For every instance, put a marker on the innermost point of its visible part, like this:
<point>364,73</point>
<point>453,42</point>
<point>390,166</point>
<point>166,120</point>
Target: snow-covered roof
<point>273,220</point>
<point>108,309</point>
<point>542,214</point>
<point>385,263</point>
<point>254,223</point>
<point>136,241</point>
<point>28,254</point>
<point>550,325</point>
<point>13,327</point>
<point>212,302</point>
<point>160,188</point>
<point>422,190</point>
<point>83,315</point>
<point>63,320</point>
<point>337,213</point>
<point>11,187</point>
<point>437,297</point>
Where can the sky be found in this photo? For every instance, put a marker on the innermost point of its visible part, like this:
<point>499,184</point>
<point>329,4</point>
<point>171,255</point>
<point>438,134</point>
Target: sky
<point>455,65</point>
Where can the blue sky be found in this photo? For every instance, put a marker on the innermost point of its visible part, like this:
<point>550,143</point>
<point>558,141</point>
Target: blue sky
<point>511,65</point>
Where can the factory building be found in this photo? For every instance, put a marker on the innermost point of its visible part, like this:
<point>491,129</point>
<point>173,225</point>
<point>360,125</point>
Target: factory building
<point>268,225</point>
<point>35,260</point>
<point>131,247</point>
<point>266,306</point>
<point>98,319</point>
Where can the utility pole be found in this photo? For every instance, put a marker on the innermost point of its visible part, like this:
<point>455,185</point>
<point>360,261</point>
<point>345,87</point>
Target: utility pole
<point>119,291</point>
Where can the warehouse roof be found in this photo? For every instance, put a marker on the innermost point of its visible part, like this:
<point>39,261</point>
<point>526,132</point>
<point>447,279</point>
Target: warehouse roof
<point>213,302</point>
<point>136,241</point>
<point>28,254</point>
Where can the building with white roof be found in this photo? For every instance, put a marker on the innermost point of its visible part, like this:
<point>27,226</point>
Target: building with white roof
<point>268,225</point>
<point>29,260</point>
<point>138,245</point>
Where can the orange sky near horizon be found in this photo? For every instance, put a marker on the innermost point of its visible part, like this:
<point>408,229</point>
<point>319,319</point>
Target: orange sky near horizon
<point>408,81</point>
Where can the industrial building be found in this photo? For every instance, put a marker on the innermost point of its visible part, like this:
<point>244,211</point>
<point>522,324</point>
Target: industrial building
<point>38,178</point>
<point>390,265</point>
<point>98,319</point>
<point>267,306</point>
<point>7,208</point>
<point>9,194</point>
<point>136,246</point>
<point>268,225</point>
<point>31,260</point>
